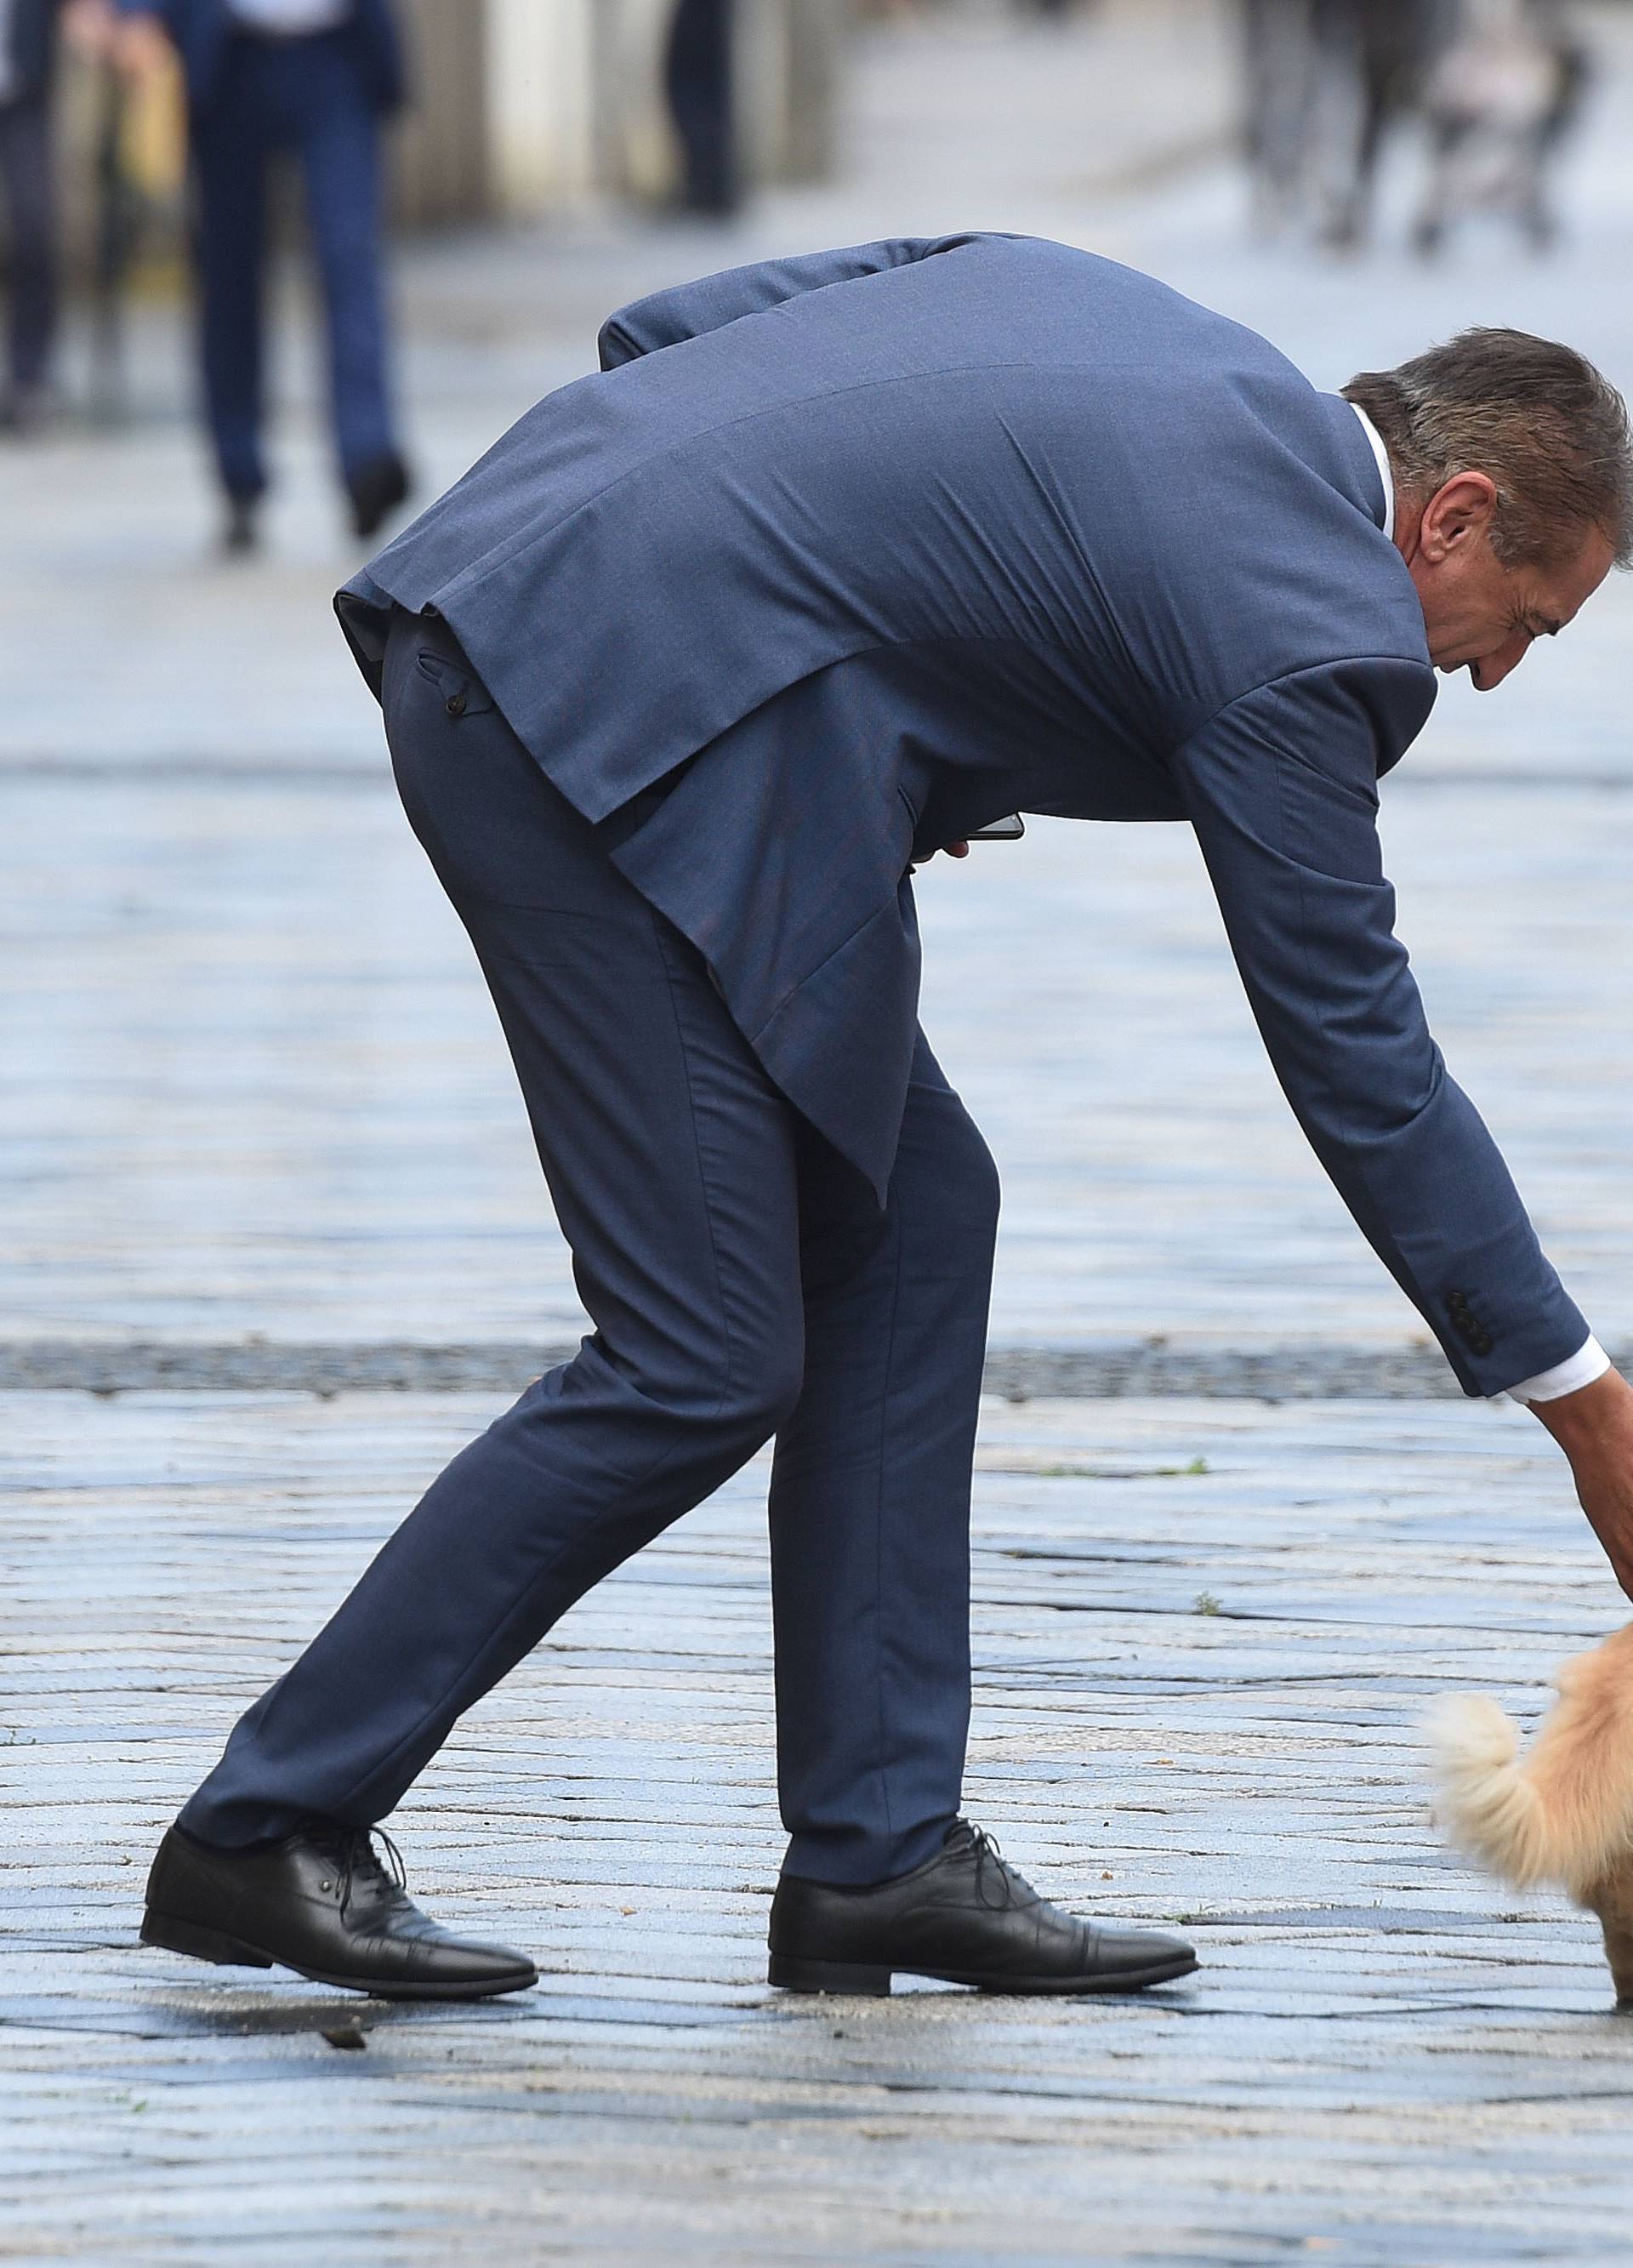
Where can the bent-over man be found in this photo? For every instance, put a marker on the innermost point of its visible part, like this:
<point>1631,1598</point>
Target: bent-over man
<point>838,560</point>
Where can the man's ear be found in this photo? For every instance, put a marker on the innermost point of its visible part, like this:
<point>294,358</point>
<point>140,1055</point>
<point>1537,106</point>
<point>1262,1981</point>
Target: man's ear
<point>1457,514</point>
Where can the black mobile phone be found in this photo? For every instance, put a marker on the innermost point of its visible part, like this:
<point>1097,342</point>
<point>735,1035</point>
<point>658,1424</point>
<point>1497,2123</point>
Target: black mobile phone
<point>1002,830</point>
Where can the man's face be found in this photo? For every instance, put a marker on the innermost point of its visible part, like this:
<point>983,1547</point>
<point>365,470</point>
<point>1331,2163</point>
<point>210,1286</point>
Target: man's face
<point>1479,615</point>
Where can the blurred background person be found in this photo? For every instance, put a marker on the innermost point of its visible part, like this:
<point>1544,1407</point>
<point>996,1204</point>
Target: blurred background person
<point>699,82</point>
<point>314,79</point>
<point>1369,60</point>
<point>1504,91</point>
<point>1278,58</point>
<point>28,42</point>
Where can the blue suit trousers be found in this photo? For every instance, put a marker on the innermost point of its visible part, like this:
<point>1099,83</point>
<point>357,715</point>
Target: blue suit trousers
<point>308,97</point>
<point>743,1282</point>
<point>26,178</point>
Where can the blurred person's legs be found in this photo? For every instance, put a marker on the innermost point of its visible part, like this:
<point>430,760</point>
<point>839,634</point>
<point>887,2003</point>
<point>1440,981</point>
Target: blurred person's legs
<point>742,1281</point>
<point>1572,72</point>
<point>304,95</point>
<point>231,148</point>
<point>329,115</point>
<point>699,78</point>
<point>1367,52</point>
<point>1277,56</point>
<point>1448,138</point>
<point>31,208</point>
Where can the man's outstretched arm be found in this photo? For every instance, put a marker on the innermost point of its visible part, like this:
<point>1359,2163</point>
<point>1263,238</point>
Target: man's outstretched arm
<point>687,310</point>
<point>1281,786</point>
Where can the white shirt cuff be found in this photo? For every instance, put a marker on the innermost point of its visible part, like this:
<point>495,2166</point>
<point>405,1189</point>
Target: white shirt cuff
<point>1588,1363</point>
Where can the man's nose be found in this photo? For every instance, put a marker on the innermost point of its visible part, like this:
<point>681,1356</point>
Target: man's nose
<point>1489,671</point>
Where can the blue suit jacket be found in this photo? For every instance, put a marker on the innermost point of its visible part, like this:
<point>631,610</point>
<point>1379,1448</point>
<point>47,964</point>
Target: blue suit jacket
<point>202,28</point>
<point>864,549</point>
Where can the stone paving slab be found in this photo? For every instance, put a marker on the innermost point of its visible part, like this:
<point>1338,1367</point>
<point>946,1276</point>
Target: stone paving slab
<point>1385,2062</point>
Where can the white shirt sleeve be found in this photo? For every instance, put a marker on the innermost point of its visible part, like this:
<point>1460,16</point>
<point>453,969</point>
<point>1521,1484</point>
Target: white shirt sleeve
<point>1588,1363</point>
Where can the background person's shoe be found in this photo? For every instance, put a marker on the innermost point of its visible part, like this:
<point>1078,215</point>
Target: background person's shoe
<point>322,1903</point>
<point>27,410</point>
<point>965,1917</point>
<point>239,533</point>
<point>376,489</point>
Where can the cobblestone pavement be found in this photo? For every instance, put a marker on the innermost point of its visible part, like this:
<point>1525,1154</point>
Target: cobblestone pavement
<point>1199,1690</point>
<point>258,1120</point>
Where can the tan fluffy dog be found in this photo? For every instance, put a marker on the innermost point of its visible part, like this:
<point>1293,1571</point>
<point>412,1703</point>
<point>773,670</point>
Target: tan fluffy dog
<point>1564,1814</point>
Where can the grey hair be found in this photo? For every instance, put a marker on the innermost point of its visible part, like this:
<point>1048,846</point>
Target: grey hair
<point>1547,427</point>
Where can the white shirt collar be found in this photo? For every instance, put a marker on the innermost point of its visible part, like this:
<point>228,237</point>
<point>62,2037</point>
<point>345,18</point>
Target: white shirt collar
<point>1375,441</point>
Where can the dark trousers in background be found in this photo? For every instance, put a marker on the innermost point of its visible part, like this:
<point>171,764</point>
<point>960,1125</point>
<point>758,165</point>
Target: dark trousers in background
<point>1375,48</point>
<point>702,100</point>
<point>305,96</point>
<point>743,1282</point>
<point>31,212</point>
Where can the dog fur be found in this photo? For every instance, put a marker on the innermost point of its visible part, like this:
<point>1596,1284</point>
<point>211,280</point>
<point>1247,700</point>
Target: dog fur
<point>1563,1814</point>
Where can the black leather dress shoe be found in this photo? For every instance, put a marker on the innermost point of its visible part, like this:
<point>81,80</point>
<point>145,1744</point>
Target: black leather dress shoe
<point>965,1917</point>
<point>322,1903</point>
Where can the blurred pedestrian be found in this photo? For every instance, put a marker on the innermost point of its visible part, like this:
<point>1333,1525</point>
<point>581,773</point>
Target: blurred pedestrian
<point>28,43</point>
<point>1504,91</point>
<point>1278,58</point>
<point>1369,60</point>
<point>315,77</point>
<point>700,81</point>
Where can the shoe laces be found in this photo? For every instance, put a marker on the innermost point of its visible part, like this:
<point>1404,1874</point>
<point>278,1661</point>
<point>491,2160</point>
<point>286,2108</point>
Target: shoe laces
<point>989,1856</point>
<point>356,1861</point>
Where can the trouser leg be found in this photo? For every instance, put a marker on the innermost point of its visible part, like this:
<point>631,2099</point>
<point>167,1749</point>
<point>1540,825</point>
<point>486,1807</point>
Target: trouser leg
<point>340,158</point>
<point>671,1160</point>
<point>870,1496</point>
<point>698,75</point>
<point>231,151</point>
<point>25,172</point>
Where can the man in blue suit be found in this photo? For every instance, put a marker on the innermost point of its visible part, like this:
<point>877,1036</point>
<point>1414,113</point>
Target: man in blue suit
<point>837,561</point>
<point>316,77</point>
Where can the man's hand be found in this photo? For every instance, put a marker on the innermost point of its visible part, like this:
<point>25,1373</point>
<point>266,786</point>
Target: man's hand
<point>952,849</point>
<point>1594,1428</point>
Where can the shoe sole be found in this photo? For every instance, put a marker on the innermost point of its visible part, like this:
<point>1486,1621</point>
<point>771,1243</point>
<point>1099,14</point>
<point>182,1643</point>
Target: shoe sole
<point>853,1976</point>
<point>200,1943</point>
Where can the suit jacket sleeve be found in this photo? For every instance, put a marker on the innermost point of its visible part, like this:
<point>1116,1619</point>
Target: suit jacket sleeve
<point>1281,788</point>
<point>690,309</point>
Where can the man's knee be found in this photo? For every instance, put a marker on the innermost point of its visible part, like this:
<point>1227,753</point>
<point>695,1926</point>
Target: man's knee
<point>724,1399</point>
<point>759,1392</point>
